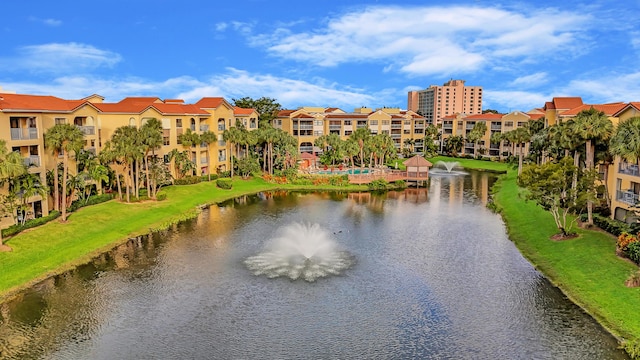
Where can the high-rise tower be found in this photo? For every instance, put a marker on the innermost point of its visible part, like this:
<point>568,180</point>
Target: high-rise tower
<point>436,102</point>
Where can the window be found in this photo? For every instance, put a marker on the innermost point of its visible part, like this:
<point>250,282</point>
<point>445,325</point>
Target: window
<point>317,133</point>
<point>178,123</point>
<point>373,122</point>
<point>60,121</point>
<point>165,136</point>
<point>508,123</point>
<point>385,122</point>
<point>347,122</point>
<point>317,122</point>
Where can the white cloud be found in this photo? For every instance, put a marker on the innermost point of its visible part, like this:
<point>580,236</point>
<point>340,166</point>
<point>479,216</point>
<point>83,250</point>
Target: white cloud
<point>427,40</point>
<point>48,22</point>
<point>222,26</point>
<point>233,83</point>
<point>607,88</point>
<point>290,93</point>
<point>506,100</point>
<point>60,58</point>
<point>532,80</point>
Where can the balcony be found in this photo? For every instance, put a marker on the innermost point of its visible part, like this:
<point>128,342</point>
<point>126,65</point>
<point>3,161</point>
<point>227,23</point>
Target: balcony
<point>629,170</point>
<point>306,149</point>
<point>447,126</point>
<point>87,130</point>
<point>24,133</point>
<point>361,126</point>
<point>222,143</point>
<point>470,126</point>
<point>396,136</point>
<point>220,127</point>
<point>222,158</point>
<point>204,127</point>
<point>396,126</point>
<point>334,127</point>
<point>204,161</point>
<point>627,197</point>
<point>32,160</point>
<point>496,127</point>
<point>469,145</point>
<point>418,126</point>
<point>302,127</point>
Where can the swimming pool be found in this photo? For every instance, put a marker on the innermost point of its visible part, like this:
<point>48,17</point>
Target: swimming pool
<point>344,171</point>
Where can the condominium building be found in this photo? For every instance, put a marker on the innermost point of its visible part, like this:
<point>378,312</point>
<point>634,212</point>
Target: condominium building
<point>308,123</point>
<point>24,119</point>
<point>437,102</point>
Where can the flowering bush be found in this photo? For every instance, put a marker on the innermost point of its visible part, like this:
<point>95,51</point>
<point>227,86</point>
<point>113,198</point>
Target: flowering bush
<point>624,240</point>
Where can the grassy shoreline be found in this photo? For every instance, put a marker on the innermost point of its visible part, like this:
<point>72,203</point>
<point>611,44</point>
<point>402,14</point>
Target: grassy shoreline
<point>586,269</point>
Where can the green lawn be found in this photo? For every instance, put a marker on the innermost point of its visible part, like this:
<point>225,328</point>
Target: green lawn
<point>585,268</point>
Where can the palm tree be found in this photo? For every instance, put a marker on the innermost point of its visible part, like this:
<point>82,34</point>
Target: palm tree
<point>351,149</point>
<point>361,136</point>
<point>476,135</point>
<point>11,167</point>
<point>454,144</point>
<point>208,137</point>
<point>234,136</point>
<point>65,138</point>
<point>592,126</point>
<point>151,140</point>
<point>26,186</point>
<point>519,137</point>
<point>625,141</point>
<point>53,141</point>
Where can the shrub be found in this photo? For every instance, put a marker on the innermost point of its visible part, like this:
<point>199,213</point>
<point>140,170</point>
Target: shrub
<point>400,184</point>
<point>633,251</point>
<point>93,200</point>
<point>204,178</point>
<point>161,197</point>
<point>224,183</point>
<point>609,225</point>
<point>15,229</point>
<point>188,180</point>
<point>378,184</point>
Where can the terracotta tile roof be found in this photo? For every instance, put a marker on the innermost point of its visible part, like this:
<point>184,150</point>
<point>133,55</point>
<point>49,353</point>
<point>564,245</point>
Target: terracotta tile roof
<point>549,105</point>
<point>132,107</point>
<point>535,116</point>
<point>487,116</point>
<point>242,111</point>
<point>567,102</point>
<point>37,103</point>
<point>331,109</point>
<point>634,104</point>
<point>210,102</point>
<point>608,109</point>
<point>139,100</point>
<point>418,161</point>
<point>282,113</point>
<point>180,109</point>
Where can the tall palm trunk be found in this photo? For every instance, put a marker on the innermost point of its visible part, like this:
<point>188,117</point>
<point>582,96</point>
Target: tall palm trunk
<point>65,173</point>
<point>146,174</point>
<point>56,191</point>
<point>119,187</point>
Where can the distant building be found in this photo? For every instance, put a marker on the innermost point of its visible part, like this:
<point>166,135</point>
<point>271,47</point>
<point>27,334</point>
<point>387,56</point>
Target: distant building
<point>437,102</point>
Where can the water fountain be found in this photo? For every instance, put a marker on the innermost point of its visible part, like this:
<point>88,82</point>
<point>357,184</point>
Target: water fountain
<point>446,168</point>
<point>302,251</point>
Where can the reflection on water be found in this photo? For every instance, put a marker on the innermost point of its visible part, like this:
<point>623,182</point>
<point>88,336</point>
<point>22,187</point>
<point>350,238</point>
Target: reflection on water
<point>435,277</point>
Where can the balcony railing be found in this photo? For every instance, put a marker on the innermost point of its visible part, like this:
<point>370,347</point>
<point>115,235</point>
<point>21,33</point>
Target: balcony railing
<point>396,126</point>
<point>87,130</point>
<point>627,197</point>
<point>469,145</point>
<point>222,143</point>
<point>24,133</point>
<point>496,127</point>
<point>32,160</point>
<point>222,158</point>
<point>334,127</point>
<point>418,126</point>
<point>204,127</point>
<point>306,149</point>
<point>629,170</point>
<point>204,161</point>
<point>220,127</point>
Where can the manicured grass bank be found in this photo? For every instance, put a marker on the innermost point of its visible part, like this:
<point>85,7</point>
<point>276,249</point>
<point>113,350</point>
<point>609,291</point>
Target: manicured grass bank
<point>586,268</point>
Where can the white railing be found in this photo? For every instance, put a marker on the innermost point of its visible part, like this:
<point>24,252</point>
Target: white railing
<point>87,130</point>
<point>627,197</point>
<point>24,133</point>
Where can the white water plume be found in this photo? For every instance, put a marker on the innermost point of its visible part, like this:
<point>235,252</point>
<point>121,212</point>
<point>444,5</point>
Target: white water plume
<point>301,252</point>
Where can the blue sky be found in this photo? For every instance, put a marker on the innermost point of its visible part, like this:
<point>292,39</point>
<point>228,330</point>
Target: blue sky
<point>327,53</point>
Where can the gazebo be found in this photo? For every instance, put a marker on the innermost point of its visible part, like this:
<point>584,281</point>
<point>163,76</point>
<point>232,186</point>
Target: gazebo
<point>308,161</point>
<point>417,169</point>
